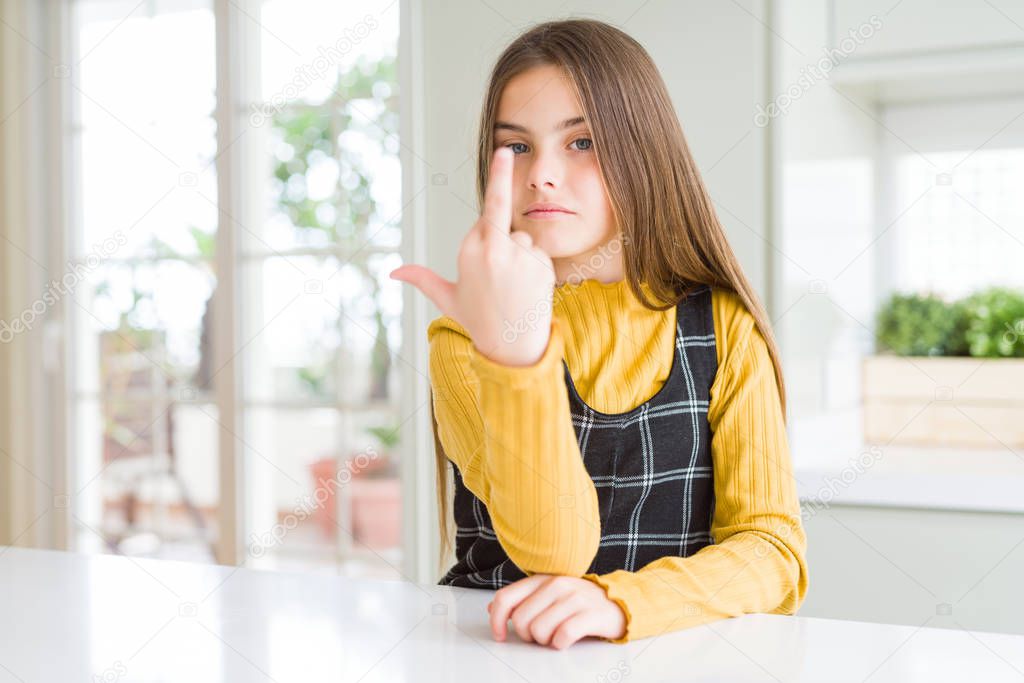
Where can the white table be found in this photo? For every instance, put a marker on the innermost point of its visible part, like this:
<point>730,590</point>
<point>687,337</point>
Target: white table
<point>69,617</point>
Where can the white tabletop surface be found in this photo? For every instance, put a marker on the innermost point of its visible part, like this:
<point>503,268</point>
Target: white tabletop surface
<point>71,617</point>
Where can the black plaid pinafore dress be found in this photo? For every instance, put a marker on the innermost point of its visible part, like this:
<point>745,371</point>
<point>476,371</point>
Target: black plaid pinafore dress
<point>651,467</point>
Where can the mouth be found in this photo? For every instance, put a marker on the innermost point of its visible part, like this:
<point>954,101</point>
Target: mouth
<point>546,214</point>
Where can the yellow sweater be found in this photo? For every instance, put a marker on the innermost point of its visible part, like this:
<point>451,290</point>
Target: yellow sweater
<point>509,431</point>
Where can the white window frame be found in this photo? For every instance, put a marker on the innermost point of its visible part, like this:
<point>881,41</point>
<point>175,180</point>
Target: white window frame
<point>239,183</point>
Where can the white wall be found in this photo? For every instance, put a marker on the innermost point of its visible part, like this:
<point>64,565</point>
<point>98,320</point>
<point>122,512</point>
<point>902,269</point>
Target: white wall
<point>825,182</point>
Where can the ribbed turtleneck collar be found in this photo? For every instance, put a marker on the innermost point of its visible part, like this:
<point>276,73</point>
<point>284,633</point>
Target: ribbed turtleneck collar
<point>592,293</point>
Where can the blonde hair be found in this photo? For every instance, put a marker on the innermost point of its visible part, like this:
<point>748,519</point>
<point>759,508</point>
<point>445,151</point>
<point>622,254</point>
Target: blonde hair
<point>672,239</point>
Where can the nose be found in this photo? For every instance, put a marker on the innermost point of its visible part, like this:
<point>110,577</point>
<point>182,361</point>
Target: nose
<point>546,170</point>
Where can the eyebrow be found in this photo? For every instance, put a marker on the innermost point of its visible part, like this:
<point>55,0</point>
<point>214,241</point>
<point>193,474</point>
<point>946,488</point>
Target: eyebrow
<point>568,123</point>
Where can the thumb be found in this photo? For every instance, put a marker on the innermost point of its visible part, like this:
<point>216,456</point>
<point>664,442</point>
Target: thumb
<point>433,286</point>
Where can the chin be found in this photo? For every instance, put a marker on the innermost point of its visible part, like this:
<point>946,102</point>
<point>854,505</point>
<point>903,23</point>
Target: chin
<point>560,241</point>
<point>565,248</point>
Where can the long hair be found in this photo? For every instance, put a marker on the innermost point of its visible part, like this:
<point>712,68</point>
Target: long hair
<point>672,239</point>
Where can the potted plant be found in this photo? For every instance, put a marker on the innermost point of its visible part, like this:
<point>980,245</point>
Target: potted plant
<point>947,373</point>
<point>374,492</point>
<point>377,495</point>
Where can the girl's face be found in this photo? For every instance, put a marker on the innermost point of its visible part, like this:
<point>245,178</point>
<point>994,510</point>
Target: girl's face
<point>555,163</point>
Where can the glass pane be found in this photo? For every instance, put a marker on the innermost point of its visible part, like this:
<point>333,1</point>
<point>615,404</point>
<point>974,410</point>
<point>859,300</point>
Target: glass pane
<point>285,453</point>
<point>331,120</point>
<point>147,477</point>
<point>146,134</point>
<point>308,44</point>
<point>325,491</point>
<point>146,457</point>
<point>322,331</point>
<point>326,333</point>
<point>964,235</point>
<point>144,452</point>
<point>320,321</point>
<point>948,225</point>
<point>154,310</point>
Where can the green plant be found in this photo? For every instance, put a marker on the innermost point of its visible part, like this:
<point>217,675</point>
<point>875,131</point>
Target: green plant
<point>388,436</point>
<point>386,465</point>
<point>920,325</point>
<point>995,326</point>
<point>314,379</point>
<point>956,342</point>
<point>310,139</point>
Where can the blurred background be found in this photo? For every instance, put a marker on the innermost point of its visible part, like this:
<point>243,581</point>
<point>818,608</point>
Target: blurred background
<point>202,357</point>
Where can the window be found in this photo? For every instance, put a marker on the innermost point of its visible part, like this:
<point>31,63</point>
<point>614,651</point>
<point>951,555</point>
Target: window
<point>953,183</point>
<point>321,386</point>
<point>146,457</point>
<point>965,233</point>
<point>314,231</point>
<point>934,207</point>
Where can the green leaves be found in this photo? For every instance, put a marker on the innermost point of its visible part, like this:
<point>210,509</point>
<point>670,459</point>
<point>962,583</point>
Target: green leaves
<point>987,324</point>
<point>995,323</point>
<point>916,325</point>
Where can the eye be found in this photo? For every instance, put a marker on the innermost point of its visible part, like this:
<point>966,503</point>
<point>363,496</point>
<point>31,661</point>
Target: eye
<point>588,146</point>
<point>513,146</point>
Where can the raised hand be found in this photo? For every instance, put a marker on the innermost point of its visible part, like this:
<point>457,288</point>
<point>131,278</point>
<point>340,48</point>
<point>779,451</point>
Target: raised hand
<point>505,283</point>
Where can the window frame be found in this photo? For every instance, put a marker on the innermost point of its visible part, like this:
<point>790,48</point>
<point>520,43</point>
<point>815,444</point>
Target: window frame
<point>237,43</point>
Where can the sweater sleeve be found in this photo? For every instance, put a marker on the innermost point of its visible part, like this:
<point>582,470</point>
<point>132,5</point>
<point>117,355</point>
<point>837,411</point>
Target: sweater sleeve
<point>510,433</point>
<point>757,562</point>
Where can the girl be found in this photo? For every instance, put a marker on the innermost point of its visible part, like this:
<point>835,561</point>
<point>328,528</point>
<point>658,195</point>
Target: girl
<point>605,382</point>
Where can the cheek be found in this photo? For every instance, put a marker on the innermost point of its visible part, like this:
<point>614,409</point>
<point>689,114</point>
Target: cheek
<point>592,196</point>
<point>520,196</point>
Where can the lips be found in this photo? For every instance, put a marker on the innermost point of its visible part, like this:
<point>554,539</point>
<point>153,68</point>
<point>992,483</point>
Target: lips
<point>546,209</point>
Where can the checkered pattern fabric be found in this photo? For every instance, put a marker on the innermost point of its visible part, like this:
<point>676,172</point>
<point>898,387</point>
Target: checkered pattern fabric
<point>651,467</point>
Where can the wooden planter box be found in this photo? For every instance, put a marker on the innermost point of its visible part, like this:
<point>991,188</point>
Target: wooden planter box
<point>938,401</point>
